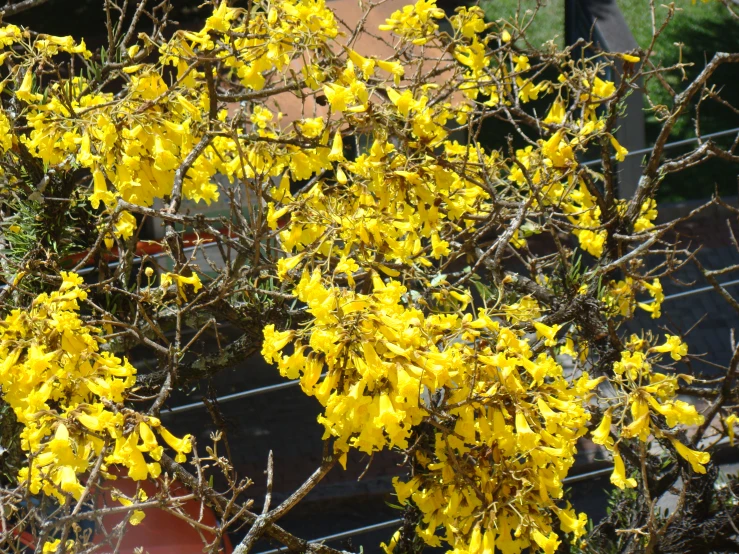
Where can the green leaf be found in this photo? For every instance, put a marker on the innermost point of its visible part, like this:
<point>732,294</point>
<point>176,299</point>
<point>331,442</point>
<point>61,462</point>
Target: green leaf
<point>437,280</point>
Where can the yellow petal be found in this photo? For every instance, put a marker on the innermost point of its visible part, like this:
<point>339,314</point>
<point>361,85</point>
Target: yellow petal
<point>696,458</point>
<point>618,477</point>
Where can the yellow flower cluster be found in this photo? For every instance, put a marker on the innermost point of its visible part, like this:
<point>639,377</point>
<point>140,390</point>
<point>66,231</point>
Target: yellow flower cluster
<point>134,147</point>
<point>52,546</point>
<point>402,207</point>
<point>397,355</point>
<point>619,297</point>
<point>259,44</point>
<point>502,417</point>
<point>549,171</point>
<point>508,423</point>
<point>472,53</point>
<point>377,354</point>
<point>68,395</point>
<point>511,437</point>
<point>415,22</point>
<point>644,397</point>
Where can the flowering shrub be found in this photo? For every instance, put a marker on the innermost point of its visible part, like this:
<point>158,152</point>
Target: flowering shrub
<point>458,299</point>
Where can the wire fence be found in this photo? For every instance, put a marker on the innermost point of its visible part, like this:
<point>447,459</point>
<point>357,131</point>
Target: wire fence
<point>395,522</point>
<point>586,476</point>
<point>726,132</point>
<point>675,144</point>
<point>290,384</point>
<point>595,474</point>
<point>568,480</point>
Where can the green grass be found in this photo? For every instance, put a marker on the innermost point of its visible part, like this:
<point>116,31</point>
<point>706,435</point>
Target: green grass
<point>687,16</point>
<point>703,29</point>
<point>548,23</point>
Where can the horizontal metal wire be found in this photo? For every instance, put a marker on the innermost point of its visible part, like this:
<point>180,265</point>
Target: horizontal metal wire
<point>139,259</point>
<point>587,476</point>
<point>694,291</point>
<point>237,396</point>
<point>671,144</point>
<point>345,534</point>
<point>587,163</point>
<point>288,384</point>
<point>393,522</point>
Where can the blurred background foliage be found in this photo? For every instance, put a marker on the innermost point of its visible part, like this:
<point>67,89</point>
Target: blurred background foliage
<point>699,30</point>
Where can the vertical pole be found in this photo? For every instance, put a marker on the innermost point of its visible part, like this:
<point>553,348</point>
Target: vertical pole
<point>602,22</point>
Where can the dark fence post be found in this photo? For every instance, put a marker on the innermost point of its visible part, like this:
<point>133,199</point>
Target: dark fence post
<point>602,22</point>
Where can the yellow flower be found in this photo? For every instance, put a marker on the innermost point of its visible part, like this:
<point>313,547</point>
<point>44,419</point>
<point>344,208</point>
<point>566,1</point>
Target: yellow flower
<point>395,68</point>
<point>640,426</point>
<point>339,97</point>
<point>274,215</point>
<point>221,19</point>
<point>655,291</point>
<point>66,479</point>
<point>125,226</point>
<point>730,422</point>
<point>647,214</point>
<point>168,279</point>
<point>150,442</point>
<point>603,89</point>
<point>24,92</point>
<point>525,437</point>
<point>100,190</point>
<point>547,543</point>
<point>405,101</point>
<point>285,265</point>
<point>390,546</point>
<point>274,342</point>
<point>6,134</point>
<point>654,308</point>
<point>49,45</point>
<point>347,266</point>
<point>675,346</point>
<point>571,523</point>
<point>365,65</point>
<point>557,113</point>
<point>337,148</point>
<point>618,477</point>
<point>312,127</point>
<point>9,34</point>
<point>50,546</point>
<point>181,446</point>
<point>137,516</point>
<point>602,434</point>
<point>676,411</point>
<point>547,332</point>
<point>621,152</point>
<point>696,458</point>
<point>261,116</point>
